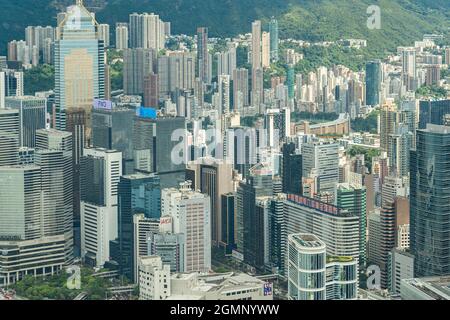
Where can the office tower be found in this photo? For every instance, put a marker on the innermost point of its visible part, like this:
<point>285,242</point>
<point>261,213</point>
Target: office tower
<point>48,51</point>
<point>13,82</point>
<point>373,82</point>
<point>121,36</point>
<point>79,67</point>
<point>433,75</point>
<point>138,193</point>
<point>409,72</point>
<point>430,207</point>
<point>433,111</point>
<point>170,170</point>
<point>214,178</point>
<point>146,31</point>
<point>401,265</point>
<point>100,173</point>
<point>224,94</point>
<point>112,129</point>
<point>9,137</point>
<point>12,51</point>
<point>151,91</point>
<point>191,214</point>
<point>338,228</point>
<point>314,275</point>
<point>144,144</point>
<point>256,45</point>
<point>203,61</point>
<point>24,246</point>
<point>258,184</point>
<point>389,119</point>
<point>240,89</point>
<point>103,34</point>
<point>228,223</point>
<point>32,114</point>
<point>323,157</point>
<point>143,228</point>
<point>137,64</point>
<point>274,41</point>
<point>353,199</point>
<point>154,279</point>
<point>291,169</point>
<point>265,50</point>
<point>169,246</point>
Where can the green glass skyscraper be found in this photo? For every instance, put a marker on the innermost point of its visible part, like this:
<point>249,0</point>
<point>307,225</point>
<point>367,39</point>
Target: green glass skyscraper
<point>273,30</point>
<point>430,201</point>
<point>373,82</point>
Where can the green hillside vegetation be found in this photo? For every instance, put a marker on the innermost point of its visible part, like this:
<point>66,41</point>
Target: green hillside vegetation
<point>402,21</point>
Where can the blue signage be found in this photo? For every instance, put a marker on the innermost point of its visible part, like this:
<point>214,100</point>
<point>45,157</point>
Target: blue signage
<point>145,112</point>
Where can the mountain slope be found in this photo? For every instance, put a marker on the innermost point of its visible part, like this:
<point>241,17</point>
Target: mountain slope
<point>402,21</point>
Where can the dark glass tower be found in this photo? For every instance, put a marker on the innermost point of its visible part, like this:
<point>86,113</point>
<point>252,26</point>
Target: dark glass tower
<point>373,82</point>
<point>430,201</point>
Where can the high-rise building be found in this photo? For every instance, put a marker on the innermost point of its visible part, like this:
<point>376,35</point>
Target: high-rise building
<point>154,278</point>
<point>121,36</point>
<point>138,193</point>
<point>214,178</point>
<point>338,228</point>
<point>353,199</point>
<point>373,83</point>
<point>389,119</point>
<point>203,56</point>
<point>433,111</point>
<point>314,275</point>
<point>169,246</point>
<point>32,114</point>
<point>265,50</point>
<point>256,45</point>
<point>430,208</point>
<point>224,94</point>
<point>146,31</point>
<point>9,137</point>
<point>292,169</point>
<point>324,159</point>
<point>226,61</point>
<point>100,173</point>
<point>112,129</point>
<point>433,75</point>
<point>24,241</point>
<point>143,228</point>
<point>103,34</point>
<point>137,64</point>
<point>176,71</point>
<point>409,72</point>
<point>240,89</point>
<point>79,67</point>
<point>401,265</point>
<point>274,41</point>
<point>191,214</point>
<point>151,91</point>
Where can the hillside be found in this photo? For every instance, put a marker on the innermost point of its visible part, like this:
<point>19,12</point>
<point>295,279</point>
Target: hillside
<point>403,21</point>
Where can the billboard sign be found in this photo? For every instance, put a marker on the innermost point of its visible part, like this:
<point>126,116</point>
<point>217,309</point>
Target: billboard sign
<point>145,112</point>
<point>103,104</point>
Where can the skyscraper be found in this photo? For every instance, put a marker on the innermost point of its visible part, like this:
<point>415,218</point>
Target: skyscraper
<point>265,50</point>
<point>203,55</point>
<point>273,30</point>
<point>79,66</point>
<point>373,82</point>
<point>430,205</point>
<point>103,34</point>
<point>9,137</point>
<point>138,64</point>
<point>100,173</point>
<point>191,214</point>
<point>256,45</point>
<point>121,36</point>
<point>147,31</point>
<point>32,113</point>
<point>138,193</point>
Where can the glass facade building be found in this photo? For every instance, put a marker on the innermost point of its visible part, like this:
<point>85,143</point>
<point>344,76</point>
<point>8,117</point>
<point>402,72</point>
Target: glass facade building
<point>430,201</point>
